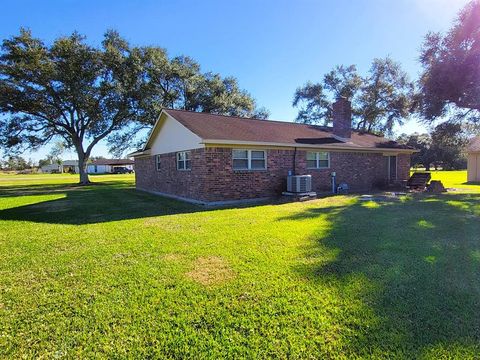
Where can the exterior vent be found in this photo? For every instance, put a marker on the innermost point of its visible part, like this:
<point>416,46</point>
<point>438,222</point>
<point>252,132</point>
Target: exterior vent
<point>299,183</point>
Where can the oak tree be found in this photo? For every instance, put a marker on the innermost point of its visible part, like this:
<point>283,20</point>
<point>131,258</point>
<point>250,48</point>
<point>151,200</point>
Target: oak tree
<point>85,94</point>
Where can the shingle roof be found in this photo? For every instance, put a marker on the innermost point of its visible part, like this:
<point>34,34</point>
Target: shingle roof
<point>474,145</point>
<point>218,127</point>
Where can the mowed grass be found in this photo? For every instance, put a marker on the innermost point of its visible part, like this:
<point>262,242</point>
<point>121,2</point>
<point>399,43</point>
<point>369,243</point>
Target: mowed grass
<point>455,179</point>
<point>105,271</point>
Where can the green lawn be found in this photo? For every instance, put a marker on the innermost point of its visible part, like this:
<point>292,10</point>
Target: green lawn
<point>107,272</point>
<point>455,179</point>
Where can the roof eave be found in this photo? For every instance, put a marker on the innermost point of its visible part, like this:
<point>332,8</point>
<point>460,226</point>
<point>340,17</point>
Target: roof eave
<point>311,146</point>
<point>139,153</point>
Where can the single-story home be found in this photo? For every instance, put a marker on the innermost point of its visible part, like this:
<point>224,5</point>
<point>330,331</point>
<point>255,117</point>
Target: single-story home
<point>51,168</point>
<point>473,159</point>
<point>70,166</point>
<point>214,159</point>
<point>67,166</point>
<point>108,166</point>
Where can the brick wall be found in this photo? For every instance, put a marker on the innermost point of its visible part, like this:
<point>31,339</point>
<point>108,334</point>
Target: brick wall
<point>361,171</point>
<point>403,167</point>
<point>224,183</point>
<point>169,180</point>
<point>342,118</point>
<point>212,177</point>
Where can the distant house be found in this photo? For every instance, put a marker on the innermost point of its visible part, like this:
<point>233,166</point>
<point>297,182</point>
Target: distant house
<point>70,166</point>
<point>208,158</point>
<point>51,168</point>
<point>67,166</point>
<point>473,160</point>
<point>108,166</point>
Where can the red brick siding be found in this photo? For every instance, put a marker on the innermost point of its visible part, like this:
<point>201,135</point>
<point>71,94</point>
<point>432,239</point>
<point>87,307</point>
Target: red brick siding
<point>224,183</point>
<point>361,171</point>
<point>169,180</point>
<point>403,166</point>
<point>212,177</point>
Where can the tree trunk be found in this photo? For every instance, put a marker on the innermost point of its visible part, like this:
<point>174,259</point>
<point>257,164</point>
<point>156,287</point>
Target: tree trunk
<point>82,168</point>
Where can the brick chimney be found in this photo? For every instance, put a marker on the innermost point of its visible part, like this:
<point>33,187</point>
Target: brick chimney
<point>342,118</point>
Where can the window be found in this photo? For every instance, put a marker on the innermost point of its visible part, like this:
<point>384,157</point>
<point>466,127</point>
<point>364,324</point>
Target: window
<point>318,160</point>
<point>183,160</point>
<point>158,162</point>
<point>249,159</point>
<point>311,160</point>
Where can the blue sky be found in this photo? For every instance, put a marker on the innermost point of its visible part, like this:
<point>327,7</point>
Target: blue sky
<point>272,47</point>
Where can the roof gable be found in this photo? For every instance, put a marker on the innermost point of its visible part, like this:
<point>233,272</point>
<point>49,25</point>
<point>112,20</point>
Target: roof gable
<point>170,135</point>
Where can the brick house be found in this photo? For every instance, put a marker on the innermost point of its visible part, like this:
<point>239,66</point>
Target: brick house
<point>214,159</point>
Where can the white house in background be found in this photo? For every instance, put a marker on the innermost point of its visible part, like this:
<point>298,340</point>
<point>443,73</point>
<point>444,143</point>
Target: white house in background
<point>108,166</point>
<point>70,166</point>
<point>67,166</point>
<point>51,168</point>
<point>473,165</point>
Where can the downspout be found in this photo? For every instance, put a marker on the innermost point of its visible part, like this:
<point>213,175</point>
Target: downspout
<point>295,160</point>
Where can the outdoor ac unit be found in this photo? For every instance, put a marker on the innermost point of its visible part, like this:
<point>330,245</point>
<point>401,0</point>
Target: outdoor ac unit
<point>299,183</point>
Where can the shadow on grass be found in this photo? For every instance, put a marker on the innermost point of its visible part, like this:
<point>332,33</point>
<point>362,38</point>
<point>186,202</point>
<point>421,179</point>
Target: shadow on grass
<point>96,203</point>
<point>419,266</point>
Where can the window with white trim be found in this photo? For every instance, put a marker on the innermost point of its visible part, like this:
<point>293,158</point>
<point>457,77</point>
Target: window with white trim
<point>158,162</point>
<point>244,159</point>
<point>318,160</point>
<point>183,160</point>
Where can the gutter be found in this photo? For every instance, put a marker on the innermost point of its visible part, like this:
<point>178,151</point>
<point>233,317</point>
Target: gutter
<point>139,153</point>
<point>308,146</point>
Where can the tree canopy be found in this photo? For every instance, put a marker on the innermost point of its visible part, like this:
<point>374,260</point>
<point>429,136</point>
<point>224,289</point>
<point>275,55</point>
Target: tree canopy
<point>84,94</point>
<point>15,163</point>
<point>54,156</point>
<point>423,143</point>
<point>445,146</point>
<point>450,82</point>
<point>381,99</point>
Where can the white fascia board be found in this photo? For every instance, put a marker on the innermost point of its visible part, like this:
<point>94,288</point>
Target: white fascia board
<point>308,146</point>
<point>153,130</point>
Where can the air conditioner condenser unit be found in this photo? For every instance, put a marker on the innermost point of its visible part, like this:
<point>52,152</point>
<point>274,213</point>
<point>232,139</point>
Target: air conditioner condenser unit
<point>299,183</point>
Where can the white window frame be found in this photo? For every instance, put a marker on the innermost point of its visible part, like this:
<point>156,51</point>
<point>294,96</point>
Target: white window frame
<point>317,160</point>
<point>249,160</point>
<point>158,162</point>
<point>186,157</point>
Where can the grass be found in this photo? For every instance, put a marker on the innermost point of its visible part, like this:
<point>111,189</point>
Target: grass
<point>107,272</point>
<point>454,179</point>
